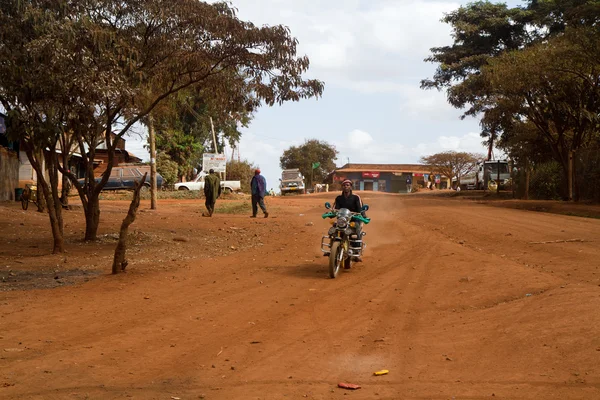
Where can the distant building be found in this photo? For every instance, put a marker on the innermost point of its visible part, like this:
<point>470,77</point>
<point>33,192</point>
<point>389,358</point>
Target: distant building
<point>389,178</point>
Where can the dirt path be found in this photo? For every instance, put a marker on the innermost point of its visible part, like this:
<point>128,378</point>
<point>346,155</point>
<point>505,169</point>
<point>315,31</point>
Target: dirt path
<point>456,299</point>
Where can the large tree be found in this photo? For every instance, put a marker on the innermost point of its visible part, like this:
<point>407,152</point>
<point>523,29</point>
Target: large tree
<point>521,67</point>
<point>453,164</point>
<point>315,158</point>
<point>112,62</point>
<point>554,86</point>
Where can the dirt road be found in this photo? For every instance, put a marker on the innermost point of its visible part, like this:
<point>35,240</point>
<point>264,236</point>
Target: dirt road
<point>458,300</point>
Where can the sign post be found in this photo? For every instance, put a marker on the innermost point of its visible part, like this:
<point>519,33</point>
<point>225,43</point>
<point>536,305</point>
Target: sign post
<point>214,161</point>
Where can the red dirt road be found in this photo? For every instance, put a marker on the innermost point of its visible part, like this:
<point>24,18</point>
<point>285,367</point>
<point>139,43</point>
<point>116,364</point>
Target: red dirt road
<point>457,300</point>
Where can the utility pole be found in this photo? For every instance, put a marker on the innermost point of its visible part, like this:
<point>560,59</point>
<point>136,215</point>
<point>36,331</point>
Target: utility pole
<point>498,179</point>
<point>152,141</point>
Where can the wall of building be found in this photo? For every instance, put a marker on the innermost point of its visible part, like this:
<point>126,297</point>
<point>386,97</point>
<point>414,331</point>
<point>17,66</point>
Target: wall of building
<point>389,182</point>
<point>9,174</point>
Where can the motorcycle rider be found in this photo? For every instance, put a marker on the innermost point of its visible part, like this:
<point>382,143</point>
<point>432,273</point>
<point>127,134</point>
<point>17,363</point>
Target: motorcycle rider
<point>353,203</point>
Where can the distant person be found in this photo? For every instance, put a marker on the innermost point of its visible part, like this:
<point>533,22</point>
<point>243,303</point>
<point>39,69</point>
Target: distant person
<point>408,184</point>
<point>271,192</point>
<point>212,191</point>
<point>258,185</point>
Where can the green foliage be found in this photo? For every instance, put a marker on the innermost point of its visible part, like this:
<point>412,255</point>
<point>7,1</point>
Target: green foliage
<point>310,153</point>
<point>97,67</point>
<point>183,149</point>
<point>242,171</point>
<point>546,181</point>
<point>531,72</point>
<point>167,168</point>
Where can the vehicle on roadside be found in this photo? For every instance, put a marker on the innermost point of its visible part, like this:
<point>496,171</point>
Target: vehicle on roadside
<point>292,181</point>
<point>487,174</point>
<point>198,184</point>
<point>124,178</point>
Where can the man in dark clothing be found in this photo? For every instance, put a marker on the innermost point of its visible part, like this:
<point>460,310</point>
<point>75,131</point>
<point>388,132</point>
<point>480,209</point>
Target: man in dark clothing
<point>347,199</point>
<point>258,186</point>
<point>351,202</point>
<point>212,191</point>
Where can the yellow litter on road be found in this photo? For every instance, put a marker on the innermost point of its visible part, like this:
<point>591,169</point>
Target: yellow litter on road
<point>382,372</point>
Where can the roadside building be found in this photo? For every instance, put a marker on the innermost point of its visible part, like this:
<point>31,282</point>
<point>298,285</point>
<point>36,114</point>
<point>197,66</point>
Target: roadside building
<point>391,178</point>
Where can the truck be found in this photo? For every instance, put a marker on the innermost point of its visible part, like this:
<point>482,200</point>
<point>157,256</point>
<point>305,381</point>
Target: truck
<point>291,181</point>
<point>487,174</point>
<point>198,184</point>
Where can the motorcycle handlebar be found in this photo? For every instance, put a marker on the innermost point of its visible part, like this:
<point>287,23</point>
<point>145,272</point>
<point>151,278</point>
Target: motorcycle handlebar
<point>358,216</point>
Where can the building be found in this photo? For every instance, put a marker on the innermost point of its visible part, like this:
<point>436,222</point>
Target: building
<point>391,178</point>
<point>16,171</point>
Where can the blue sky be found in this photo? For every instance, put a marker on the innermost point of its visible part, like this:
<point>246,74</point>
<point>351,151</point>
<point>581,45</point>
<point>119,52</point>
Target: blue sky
<point>370,56</point>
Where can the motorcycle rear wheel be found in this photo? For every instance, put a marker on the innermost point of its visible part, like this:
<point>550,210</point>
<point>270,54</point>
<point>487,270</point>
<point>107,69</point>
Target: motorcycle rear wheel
<point>335,259</point>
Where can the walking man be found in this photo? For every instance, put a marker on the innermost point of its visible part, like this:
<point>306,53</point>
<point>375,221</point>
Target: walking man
<point>409,184</point>
<point>258,185</point>
<point>212,191</point>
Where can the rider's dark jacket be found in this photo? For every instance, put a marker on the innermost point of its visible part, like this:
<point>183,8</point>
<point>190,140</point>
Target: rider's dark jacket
<point>352,202</point>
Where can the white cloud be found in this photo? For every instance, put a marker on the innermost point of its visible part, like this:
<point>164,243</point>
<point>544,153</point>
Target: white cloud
<point>365,44</point>
<point>358,149</point>
<point>359,139</point>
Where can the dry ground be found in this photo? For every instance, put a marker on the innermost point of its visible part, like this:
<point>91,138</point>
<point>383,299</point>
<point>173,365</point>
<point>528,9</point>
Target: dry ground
<point>457,299</point>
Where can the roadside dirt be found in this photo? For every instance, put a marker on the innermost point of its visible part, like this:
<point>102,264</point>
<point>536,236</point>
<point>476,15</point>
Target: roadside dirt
<point>457,298</point>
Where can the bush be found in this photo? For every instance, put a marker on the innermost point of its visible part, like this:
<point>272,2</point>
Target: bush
<point>547,181</point>
<point>167,168</point>
<point>242,171</point>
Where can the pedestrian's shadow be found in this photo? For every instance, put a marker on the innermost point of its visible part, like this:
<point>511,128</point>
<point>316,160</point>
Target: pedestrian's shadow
<point>306,270</point>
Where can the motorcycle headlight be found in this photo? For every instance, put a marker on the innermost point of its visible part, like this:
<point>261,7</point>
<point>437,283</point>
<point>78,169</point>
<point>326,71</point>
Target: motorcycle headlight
<point>342,222</point>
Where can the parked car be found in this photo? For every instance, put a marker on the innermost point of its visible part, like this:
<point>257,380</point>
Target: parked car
<point>124,178</point>
<point>198,184</point>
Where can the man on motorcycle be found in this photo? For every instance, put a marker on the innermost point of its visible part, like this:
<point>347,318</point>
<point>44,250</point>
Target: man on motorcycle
<point>353,203</point>
<point>348,199</point>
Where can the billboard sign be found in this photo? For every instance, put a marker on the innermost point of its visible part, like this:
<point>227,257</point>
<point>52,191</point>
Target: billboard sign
<point>213,161</point>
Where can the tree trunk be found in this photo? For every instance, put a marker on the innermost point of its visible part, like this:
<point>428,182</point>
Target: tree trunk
<point>527,176</point>
<point>44,193</point>
<point>92,217</point>
<point>152,141</point>
<point>119,261</point>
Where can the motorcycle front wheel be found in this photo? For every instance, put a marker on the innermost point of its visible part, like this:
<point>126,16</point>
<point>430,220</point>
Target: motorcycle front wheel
<point>335,259</point>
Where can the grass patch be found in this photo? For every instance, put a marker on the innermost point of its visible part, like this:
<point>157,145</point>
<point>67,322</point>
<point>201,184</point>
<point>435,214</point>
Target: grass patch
<point>233,207</point>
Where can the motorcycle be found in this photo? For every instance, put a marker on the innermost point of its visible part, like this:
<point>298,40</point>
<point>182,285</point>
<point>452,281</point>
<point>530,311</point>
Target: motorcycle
<point>343,241</point>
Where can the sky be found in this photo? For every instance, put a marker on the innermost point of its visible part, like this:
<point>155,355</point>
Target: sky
<point>369,53</point>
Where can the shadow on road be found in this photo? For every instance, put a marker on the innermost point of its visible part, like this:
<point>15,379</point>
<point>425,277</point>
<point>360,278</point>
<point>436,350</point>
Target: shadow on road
<point>316,270</point>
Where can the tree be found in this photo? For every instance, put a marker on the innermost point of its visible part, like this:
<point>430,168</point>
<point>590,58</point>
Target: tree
<point>554,86</point>
<point>242,171</point>
<point>184,128</point>
<point>107,64</point>
<point>514,67</point>
<point>167,168</point>
<point>310,153</point>
<point>452,164</point>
